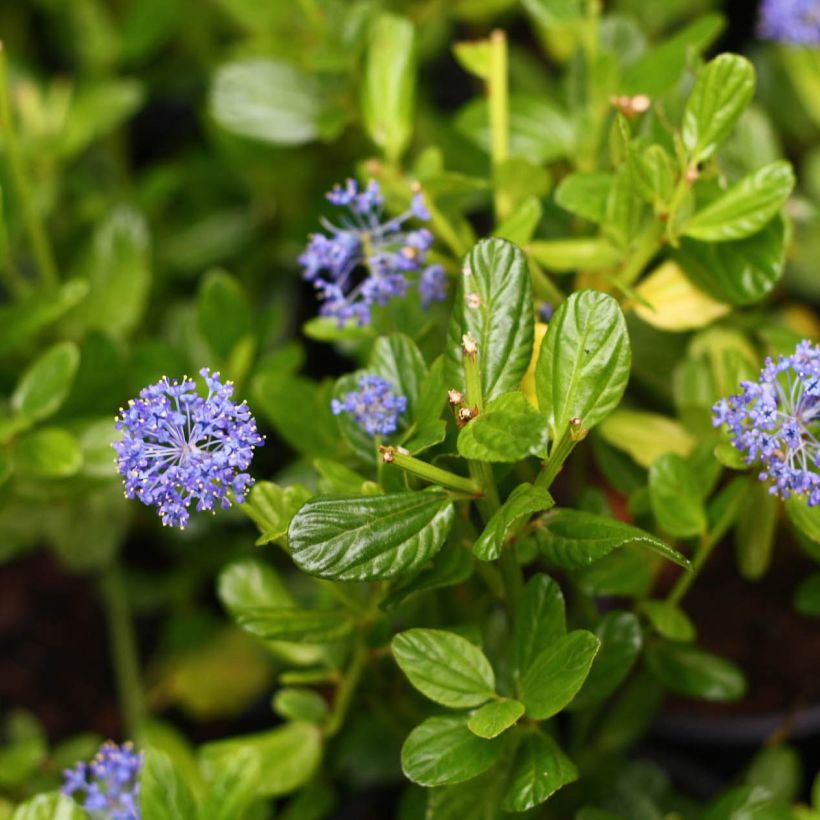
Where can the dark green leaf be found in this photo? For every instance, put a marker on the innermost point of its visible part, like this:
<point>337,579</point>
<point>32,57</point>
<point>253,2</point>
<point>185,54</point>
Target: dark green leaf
<point>442,750</point>
<point>351,538</point>
<point>557,673</point>
<point>44,386</point>
<point>495,717</point>
<point>476,799</point>
<point>754,532</point>
<point>695,673</point>
<point>745,208</point>
<point>445,667</point>
<point>777,769</point>
<point>571,539</point>
<point>283,623</point>
<point>807,596</point>
<point>449,567</point>
<point>509,429</point>
<point>584,362</point>
<point>668,620</point>
<point>725,86</point>
<point>539,769</point>
<point>524,500</point>
<point>539,623</point>
<point>163,792</point>
<point>498,315</point>
<point>676,502</point>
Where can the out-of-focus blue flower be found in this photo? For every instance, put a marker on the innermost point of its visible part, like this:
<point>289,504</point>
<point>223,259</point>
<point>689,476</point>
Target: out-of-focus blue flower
<point>776,421</point>
<point>374,406</point>
<point>180,448</point>
<point>365,260</point>
<point>545,311</point>
<point>790,21</point>
<point>108,787</point>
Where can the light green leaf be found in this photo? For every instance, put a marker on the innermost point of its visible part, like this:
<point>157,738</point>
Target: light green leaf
<point>524,500</point>
<point>668,620</point>
<point>778,769</point>
<point>645,436</point>
<point>445,667</point>
<point>300,704</point>
<point>555,12</point>
<point>495,717</point>
<point>368,538</point>
<point>566,255</point>
<point>250,582</point>
<point>745,208</point>
<point>509,429</point>
<point>584,362</point>
<point>389,84</point>
<point>673,493</point>
<point>164,794</point>
<point>725,86</point>
<point>539,769</point>
<point>754,532</point>
<point>695,673</point>
<point>521,224</point>
<point>52,806</point>
<point>573,539</point>
<point>223,312</point>
<point>282,623</point>
<point>272,507</point>
<point>557,673</point>
<point>232,789</point>
<point>44,386</point>
<point>540,621</point>
<point>493,305</point>
<point>585,194</point>
<point>442,751</point>
<point>50,452</point>
<point>474,57</point>
<point>804,517</point>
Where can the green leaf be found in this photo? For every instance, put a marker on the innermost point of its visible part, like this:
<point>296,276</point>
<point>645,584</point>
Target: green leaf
<point>521,224</point>
<point>807,596</point>
<point>725,86</point>
<point>369,538</point>
<point>476,799</point>
<point>540,621</point>
<point>585,194</point>
<point>584,363</point>
<point>445,667</point>
<point>695,673</point>
<point>397,359</point>
<point>754,532</point>
<point>645,436</point>
<point>668,620</point>
<point>269,101</point>
<point>250,582</point>
<point>524,500</point>
<point>44,386</point>
<point>6,467</point>
<point>449,567</point>
<point>673,493</point>
<point>509,429</point>
<point>272,507</point>
<point>300,704</point>
<point>554,13</point>
<point>804,517</point>
<point>573,539</point>
<point>777,769</point>
<point>539,769</point>
<point>287,756</point>
<point>442,751</point>
<point>745,208</point>
<point>52,806</point>
<point>498,315</point>
<point>474,57</point>
<point>624,210</point>
<point>495,717</point>
<point>232,788</point>
<point>557,673</point>
<point>223,311</point>
<point>741,272</point>
<point>582,253</point>
<point>163,792</point>
<point>50,452</point>
<point>621,642</point>
<point>389,84</point>
<point>282,623</point>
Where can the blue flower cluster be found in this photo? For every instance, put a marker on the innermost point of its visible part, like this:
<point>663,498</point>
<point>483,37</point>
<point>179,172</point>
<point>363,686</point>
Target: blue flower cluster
<point>776,421</point>
<point>374,406</point>
<point>790,21</point>
<point>179,448</point>
<point>109,784</point>
<point>366,259</point>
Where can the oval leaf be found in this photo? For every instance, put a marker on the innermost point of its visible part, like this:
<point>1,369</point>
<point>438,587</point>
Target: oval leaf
<point>675,497</point>
<point>693,672</point>
<point>494,718</point>
<point>45,385</point>
<point>540,621</point>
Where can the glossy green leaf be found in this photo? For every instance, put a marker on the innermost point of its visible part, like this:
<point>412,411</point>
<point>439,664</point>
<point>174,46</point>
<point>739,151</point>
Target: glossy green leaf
<point>807,596</point>
<point>524,500</point>
<point>369,538</point>
<point>223,312</point>
<point>44,386</point>
<point>287,756</point>
<point>251,582</point>
<point>477,798</point>
<point>695,673</point>
<point>50,452</point>
<point>163,791</point>
<point>449,567</point>
<point>539,623</point>
<point>539,769</point>
<point>621,642</point>
<point>442,750</point>
<point>495,717</point>
<point>493,305</point>
<point>668,620</point>
<point>676,501</point>
<point>584,363</point>
<point>509,429</point>
<point>745,208</point>
<point>724,87</point>
<point>741,272</point>
<point>557,673</point>
<point>283,623</point>
<point>566,255</point>
<point>445,667</point>
<point>300,704</point>
<point>755,531</point>
<point>389,84</point>
<point>272,507</point>
<point>52,806</point>
<point>585,194</point>
<point>573,539</point>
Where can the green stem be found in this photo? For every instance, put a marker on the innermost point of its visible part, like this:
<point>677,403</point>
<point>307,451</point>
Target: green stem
<point>707,544</point>
<point>31,217</point>
<point>346,689</point>
<point>123,647</point>
<point>427,472</point>
<point>499,116</point>
<point>560,453</point>
<point>648,244</point>
<point>511,577</point>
